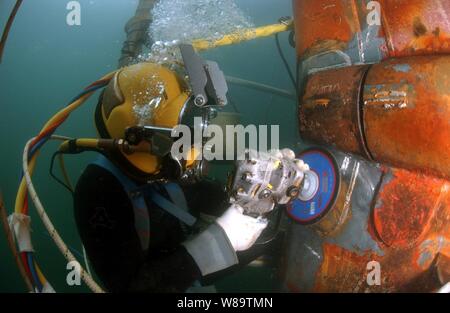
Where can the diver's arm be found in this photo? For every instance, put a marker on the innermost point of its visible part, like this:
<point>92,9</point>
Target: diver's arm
<point>213,250</point>
<point>105,222</point>
<point>173,273</point>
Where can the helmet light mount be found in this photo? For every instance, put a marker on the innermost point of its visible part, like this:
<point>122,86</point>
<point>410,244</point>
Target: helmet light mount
<point>208,83</point>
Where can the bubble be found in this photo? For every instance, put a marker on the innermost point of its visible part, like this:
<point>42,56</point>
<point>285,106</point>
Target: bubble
<point>182,21</point>
<point>188,20</point>
<point>147,101</point>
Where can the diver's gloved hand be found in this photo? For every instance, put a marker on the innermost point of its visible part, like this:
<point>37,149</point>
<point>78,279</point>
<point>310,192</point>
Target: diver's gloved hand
<point>215,248</point>
<point>241,230</point>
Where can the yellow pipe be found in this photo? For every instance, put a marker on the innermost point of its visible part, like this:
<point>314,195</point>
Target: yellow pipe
<point>82,143</point>
<point>87,143</point>
<point>245,35</point>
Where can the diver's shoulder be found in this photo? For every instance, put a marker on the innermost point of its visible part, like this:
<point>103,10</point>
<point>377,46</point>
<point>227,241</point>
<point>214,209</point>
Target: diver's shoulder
<point>95,177</point>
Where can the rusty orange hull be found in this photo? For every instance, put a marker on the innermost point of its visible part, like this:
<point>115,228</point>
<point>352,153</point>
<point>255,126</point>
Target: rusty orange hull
<point>416,27</point>
<point>368,33</point>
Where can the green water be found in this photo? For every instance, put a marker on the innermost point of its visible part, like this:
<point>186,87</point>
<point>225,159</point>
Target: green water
<point>46,63</point>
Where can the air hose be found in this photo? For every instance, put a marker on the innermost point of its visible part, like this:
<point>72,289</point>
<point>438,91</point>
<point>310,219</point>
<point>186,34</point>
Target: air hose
<point>21,206</point>
<point>8,27</point>
<point>261,87</point>
<point>49,225</point>
<point>137,32</point>
<point>244,35</point>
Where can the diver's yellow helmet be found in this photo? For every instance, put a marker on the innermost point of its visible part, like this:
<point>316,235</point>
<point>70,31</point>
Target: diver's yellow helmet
<point>141,95</point>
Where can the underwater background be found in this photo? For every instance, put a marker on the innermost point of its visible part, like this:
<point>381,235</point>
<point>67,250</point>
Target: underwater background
<point>47,62</point>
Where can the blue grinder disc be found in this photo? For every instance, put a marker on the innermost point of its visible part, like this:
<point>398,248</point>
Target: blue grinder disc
<point>321,187</point>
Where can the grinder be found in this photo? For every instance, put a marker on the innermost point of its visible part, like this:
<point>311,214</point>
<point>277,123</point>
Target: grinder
<point>262,180</point>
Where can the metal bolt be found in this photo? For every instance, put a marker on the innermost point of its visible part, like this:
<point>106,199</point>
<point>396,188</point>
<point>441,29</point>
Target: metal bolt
<point>246,177</point>
<point>240,192</point>
<point>265,194</point>
<point>293,192</point>
<point>199,100</point>
<point>212,113</point>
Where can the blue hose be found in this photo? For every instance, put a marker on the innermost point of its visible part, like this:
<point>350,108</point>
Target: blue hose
<point>33,271</point>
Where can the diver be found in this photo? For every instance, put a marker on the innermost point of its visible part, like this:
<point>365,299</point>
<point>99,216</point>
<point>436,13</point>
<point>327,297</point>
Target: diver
<point>140,236</point>
<point>146,240</point>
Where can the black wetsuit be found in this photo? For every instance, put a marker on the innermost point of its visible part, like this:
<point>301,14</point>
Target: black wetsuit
<point>105,221</point>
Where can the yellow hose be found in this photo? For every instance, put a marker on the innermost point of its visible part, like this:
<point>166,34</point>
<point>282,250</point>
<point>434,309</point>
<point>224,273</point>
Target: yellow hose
<point>244,35</point>
<point>81,143</point>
